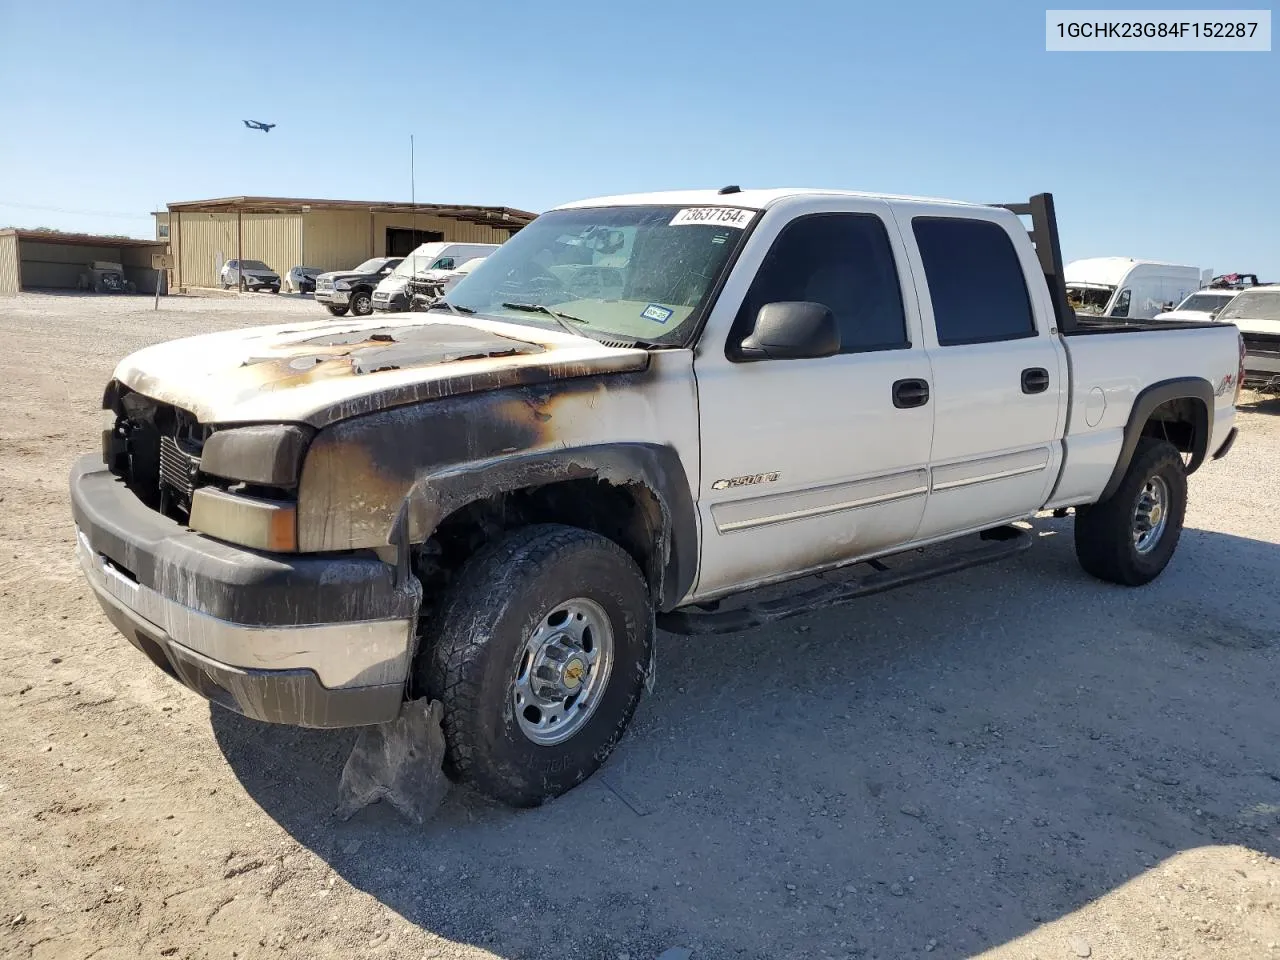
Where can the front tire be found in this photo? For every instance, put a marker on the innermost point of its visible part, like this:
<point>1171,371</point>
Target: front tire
<point>540,652</point>
<point>1130,537</point>
<point>337,309</point>
<point>361,303</point>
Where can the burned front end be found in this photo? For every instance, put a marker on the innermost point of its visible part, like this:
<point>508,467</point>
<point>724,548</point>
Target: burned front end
<point>187,534</point>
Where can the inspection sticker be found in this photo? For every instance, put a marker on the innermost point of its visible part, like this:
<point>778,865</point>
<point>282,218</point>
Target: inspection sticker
<point>656,313</point>
<point>716,216</point>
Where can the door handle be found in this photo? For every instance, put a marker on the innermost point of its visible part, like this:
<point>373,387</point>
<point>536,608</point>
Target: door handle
<point>910,393</point>
<point>1035,380</point>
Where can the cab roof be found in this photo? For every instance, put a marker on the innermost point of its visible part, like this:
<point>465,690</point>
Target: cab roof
<point>752,199</point>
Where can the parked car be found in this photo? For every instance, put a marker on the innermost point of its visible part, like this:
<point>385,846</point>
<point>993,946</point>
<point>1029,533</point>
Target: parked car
<point>343,290</point>
<point>249,275</point>
<point>425,292</point>
<point>104,276</point>
<point>301,280</point>
<point>1256,314</point>
<point>430,261</point>
<point>1130,289</point>
<point>1202,306</point>
<point>495,506</point>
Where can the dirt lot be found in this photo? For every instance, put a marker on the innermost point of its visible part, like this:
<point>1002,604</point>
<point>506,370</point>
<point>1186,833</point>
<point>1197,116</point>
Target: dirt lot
<point>1017,759</point>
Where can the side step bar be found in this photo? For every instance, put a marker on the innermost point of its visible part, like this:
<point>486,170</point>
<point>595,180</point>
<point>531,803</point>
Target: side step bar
<point>997,543</point>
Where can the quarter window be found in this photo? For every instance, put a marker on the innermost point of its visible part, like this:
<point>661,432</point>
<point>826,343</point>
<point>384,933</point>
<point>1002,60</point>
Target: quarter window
<point>1121,309</point>
<point>844,262</point>
<point>976,284</point>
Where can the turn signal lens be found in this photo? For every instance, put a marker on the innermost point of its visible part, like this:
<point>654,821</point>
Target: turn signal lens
<point>247,521</point>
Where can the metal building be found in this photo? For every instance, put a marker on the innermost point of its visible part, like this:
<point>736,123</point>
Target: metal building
<point>285,232</point>
<point>49,260</point>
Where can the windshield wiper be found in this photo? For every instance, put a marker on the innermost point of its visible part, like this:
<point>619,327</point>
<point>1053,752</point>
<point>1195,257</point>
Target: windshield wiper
<point>459,311</point>
<point>555,315</point>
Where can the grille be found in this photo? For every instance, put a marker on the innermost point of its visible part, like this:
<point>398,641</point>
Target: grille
<point>178,469</point>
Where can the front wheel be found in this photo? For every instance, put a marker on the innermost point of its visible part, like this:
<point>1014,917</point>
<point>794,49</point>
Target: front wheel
<point>361,303</point>
<point>539,656</point>
<point>1130,537</point>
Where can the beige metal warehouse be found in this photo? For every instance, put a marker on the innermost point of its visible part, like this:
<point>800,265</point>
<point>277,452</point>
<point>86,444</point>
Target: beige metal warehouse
<point>285,232</point>
<point>49,260</point>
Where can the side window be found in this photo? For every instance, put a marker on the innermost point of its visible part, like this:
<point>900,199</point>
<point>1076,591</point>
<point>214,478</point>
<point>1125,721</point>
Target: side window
<point>842,261</point>
<point>1121,309</point>
<point>444,263</point>
<point>976,285</point>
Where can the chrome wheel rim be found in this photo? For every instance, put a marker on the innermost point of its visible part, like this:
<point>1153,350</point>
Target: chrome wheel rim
<point>562,671</point>
<point>1151,515</point>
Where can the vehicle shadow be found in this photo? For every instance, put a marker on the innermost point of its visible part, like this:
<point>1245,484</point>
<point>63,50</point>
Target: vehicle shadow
<point>958,762</point>
<point>1254,402</point>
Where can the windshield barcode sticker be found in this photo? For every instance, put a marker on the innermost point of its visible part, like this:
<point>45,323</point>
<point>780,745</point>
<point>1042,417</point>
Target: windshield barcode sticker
<point>716,216</point>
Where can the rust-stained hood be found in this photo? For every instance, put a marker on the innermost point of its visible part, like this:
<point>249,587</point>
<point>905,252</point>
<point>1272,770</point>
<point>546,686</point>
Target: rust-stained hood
<point>325,371</point>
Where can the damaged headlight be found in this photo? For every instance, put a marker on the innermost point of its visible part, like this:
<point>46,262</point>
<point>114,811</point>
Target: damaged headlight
<point>258,510</point>
<point>269,456</point>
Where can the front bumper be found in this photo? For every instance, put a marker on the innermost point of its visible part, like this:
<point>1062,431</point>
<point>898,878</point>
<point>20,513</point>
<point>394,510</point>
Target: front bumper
<point>395,303</point>
<point>339,297</point>
<point>314,641</point>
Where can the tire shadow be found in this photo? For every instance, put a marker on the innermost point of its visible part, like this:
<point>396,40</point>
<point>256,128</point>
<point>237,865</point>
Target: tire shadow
<point>958,761</point>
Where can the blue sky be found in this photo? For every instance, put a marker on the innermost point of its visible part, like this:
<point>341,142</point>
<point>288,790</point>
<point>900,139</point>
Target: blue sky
<point>104,118</point>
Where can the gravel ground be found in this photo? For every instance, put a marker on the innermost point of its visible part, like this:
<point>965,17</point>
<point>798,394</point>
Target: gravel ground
<point>1017,761</point>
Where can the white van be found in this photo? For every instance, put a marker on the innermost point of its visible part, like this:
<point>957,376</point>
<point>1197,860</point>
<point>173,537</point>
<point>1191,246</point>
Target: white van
<point>430,261</point>
<point>1126,288</point>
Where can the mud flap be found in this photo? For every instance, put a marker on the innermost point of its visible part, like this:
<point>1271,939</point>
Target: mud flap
<point>400,762</point>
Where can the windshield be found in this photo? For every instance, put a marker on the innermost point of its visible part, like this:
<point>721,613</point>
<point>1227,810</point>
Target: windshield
<point>414,264</point>
<point>1089,300</point>
<point>1207,302</point>
<point>254,265</point>
<point>1253,305</point>
<point>641,272</point>
<point>370,266</point>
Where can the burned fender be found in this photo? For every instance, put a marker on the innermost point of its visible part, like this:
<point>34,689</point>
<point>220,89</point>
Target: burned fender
<point>654,467</point>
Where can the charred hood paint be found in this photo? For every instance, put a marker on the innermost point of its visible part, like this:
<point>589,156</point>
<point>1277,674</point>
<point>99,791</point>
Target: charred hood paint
<point>322,372</point>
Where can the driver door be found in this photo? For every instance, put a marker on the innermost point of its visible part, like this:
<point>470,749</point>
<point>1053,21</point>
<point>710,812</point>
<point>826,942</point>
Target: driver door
<point>815,462</point>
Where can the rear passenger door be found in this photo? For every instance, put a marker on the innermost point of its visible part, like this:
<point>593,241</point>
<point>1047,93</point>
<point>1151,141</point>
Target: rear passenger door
<point>999,371</point>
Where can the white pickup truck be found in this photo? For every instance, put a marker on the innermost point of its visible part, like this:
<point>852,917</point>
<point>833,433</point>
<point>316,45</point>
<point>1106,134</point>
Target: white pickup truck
<point>634,413</point>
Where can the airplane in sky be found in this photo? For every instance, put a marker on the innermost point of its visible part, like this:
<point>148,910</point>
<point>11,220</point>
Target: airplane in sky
<point>259,125</point>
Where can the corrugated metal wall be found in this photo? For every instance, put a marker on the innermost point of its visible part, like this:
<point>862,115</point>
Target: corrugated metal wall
<point>9,284</point>
<point>336,239</point>
<point>329,239</point>
<point>273,238</point>
<point>204,241</point>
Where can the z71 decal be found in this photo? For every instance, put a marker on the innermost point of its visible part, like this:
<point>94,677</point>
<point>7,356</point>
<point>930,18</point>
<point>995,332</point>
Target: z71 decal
<point>745,481</point>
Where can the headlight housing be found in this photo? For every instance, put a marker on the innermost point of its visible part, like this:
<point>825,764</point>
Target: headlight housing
<point>259,511</point>
<point>342,285</point>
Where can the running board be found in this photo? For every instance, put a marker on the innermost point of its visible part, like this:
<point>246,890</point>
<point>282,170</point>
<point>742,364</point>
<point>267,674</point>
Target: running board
<point>997,543</point>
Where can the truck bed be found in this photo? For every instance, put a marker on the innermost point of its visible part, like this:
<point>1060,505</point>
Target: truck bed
<point>1086,325</point>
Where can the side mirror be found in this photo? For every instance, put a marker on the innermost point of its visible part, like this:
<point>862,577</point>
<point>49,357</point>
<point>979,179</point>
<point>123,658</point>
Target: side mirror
<point>792,330</point>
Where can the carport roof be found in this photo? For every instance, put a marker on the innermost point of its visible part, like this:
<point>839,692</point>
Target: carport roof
<point>79,239</point>
<point>453,211</point>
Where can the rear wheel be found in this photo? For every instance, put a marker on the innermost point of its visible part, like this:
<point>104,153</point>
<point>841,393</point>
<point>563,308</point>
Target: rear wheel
<point>361,303</point>
<point>539,656</point>
<point>1130,537</point>
<point>337,309</point>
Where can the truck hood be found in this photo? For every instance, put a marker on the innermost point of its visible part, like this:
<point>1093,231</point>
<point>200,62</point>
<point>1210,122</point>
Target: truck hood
<point>336,275</point>
<point>321,372</point>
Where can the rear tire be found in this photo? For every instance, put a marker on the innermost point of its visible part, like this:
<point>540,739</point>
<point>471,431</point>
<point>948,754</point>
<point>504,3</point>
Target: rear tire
<point>337,309</point>
<point>1130,537</point>
<point>361,303</point>
<point>504,649</point>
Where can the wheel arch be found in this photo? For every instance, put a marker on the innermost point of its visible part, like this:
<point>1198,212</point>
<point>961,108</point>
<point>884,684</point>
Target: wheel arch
<point>636,494</point>
<point>1179,410</point>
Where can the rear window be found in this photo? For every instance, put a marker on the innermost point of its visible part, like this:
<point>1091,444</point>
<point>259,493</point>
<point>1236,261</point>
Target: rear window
<point>975,280</point>
<point>1253,305</point>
